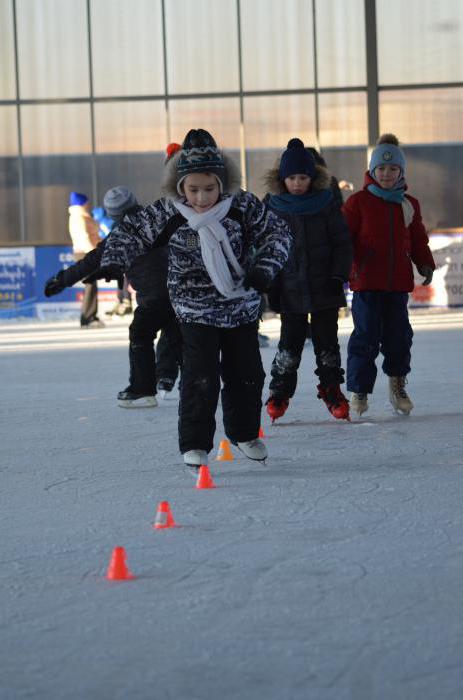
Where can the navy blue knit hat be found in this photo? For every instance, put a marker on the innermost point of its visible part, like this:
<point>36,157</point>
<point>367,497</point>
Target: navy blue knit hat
<point>297,160</point>
<point>200,154</point>
<point>76,198</point>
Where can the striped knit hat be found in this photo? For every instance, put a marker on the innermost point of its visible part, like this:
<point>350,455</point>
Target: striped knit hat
<point>200,154</point>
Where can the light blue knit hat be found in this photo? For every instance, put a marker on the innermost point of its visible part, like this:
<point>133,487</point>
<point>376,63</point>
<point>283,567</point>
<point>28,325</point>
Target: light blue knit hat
<point>386,154</point>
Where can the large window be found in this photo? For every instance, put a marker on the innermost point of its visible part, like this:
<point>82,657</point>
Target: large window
<point>419,41</point>
<point>53,48</point>
<point>56,149</point>
<point>277,44</point>
<point>202,46</point>
<point>7,76</point>
<point>9,180</point>
<point>341,60</point>
<point>343,119</point>
<point>127,48</point>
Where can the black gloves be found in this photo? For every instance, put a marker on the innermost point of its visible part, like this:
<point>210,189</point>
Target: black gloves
<point>54,285</point>
<point>334,287</point>
<point>257,279</point>
<point>427,273</point>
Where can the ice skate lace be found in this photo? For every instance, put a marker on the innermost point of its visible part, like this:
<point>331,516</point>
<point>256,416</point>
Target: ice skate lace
<point>398,387</point>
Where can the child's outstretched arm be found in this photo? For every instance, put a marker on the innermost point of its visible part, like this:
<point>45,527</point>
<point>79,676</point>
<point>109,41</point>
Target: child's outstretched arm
<point>270,240</point>
<point>80,270</point>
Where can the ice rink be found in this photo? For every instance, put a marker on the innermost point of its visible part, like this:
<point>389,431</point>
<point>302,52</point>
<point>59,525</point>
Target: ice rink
<point>335,572</point>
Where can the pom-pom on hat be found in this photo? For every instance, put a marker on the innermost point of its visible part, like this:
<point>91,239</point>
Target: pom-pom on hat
<point>171,150</point>
<point>200,154</point>
<point>296,160</point>
<point>387,152</point>
<point>77,199</point>
<point>118,200</point>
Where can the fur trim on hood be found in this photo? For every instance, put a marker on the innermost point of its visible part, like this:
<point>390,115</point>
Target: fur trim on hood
<point>170,177</point>
<point>273,184</point>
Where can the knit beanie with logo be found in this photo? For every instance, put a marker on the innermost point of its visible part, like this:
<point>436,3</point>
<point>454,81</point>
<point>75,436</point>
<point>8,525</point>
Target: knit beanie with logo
<point>387,152</point>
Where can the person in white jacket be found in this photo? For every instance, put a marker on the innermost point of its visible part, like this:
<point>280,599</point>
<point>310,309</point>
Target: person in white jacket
<point>83,230</point>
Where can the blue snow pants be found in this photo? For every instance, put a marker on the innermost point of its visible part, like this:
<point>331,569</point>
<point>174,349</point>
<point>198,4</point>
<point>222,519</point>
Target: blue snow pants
<point>380,324</point>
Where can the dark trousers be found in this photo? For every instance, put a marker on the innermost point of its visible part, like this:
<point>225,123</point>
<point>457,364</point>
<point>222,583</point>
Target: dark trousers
<point>293,334</point>
<point>124,293</point>
<point>380,325</point>
<point>148,319</point>
<point>167,364</point>
<point>209,355</point>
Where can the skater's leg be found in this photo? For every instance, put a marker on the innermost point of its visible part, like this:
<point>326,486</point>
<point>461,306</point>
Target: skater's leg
<point>147,320</point>
<point>169,352</point>
<point>397,335</point>
<point>243,380</point>
<point>200,386</point>
<point>324,325</point>
<point>363,346</point>
<point>286,362</point>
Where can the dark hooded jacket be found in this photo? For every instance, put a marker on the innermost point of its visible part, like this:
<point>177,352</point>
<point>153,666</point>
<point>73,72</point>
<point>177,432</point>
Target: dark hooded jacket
<point>321,251</point>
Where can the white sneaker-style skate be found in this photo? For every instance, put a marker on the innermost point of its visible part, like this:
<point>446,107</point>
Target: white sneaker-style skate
<point>194,459</point>
<point>254,449</point>
<point>398,397</point>
<point>359,403</point>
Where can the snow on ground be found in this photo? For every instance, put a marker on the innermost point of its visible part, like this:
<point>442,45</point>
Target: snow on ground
<point>334,572</point>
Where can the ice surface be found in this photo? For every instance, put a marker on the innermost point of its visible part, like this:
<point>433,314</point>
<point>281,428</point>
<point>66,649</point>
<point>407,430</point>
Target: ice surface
<point>335,572</point>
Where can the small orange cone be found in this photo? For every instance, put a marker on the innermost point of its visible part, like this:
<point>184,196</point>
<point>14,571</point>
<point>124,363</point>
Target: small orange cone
<point>224,454</point>
<point>117,569</point>
<point>164,517</point>
<point>261,432</point>
<point>204,478</point>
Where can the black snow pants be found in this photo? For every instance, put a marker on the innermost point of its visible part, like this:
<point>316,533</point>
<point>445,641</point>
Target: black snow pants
<point>211,354</point>
<point>293,334</point>
<point>150,317</point>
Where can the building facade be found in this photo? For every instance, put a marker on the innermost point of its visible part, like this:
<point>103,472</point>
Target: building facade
<point>91,91</point>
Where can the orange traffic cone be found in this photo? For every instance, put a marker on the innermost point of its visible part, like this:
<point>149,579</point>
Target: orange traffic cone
<point>204,478</point>
<point>118,569</point>
<point>164,517</point>
<point>261,432</point>
<point>224,454</point>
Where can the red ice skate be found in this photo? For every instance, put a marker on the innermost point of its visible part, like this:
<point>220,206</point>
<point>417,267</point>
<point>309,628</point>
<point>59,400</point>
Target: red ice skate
<point>335,400</point>
<point>277,406</point>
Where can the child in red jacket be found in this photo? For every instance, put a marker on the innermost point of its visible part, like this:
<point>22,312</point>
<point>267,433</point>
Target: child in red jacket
<point>387,236</point>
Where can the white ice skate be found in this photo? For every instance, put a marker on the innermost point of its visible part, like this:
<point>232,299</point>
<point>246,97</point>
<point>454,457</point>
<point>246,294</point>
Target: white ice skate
<point>398,397</point>
<point>129,399</point>
<point>359,403</point>
<point>194,459</point>
<point>254,449</point>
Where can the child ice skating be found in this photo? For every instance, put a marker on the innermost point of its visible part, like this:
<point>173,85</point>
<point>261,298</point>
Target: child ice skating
<point>388,235</point>
<point>311,281</point>
<point>224,247</point>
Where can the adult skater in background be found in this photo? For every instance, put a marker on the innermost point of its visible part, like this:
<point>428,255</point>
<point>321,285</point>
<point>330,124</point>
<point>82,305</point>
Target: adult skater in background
<point>388,235</point>
<point>225,248</point>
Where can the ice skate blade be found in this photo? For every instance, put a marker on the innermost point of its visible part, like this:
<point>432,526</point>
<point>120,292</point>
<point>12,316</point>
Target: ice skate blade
<point>192,470</point>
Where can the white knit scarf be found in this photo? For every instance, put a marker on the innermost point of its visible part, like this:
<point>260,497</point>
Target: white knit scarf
<point>215,246</point>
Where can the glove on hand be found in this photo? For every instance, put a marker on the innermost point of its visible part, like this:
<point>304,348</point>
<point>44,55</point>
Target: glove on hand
<point>54,285</point>
<point>257,279</point>
<point>108,273</point>
<point>334,286</point>
<point>427,272</point>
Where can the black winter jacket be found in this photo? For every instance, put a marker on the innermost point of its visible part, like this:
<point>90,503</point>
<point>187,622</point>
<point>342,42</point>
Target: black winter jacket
<point>321,251</point>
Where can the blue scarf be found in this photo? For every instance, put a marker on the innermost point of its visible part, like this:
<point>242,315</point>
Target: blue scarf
<point>309,203</point>
<point>397,194</point>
